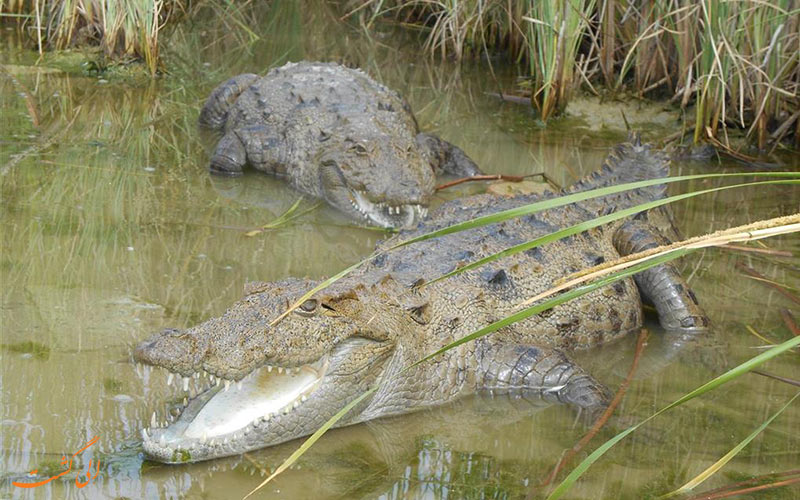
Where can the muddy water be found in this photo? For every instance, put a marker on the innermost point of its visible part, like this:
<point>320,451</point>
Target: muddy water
<point>112,229</point>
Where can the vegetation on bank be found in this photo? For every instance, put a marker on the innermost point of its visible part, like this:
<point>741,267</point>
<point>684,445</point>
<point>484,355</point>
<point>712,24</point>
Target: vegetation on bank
<point>736,62</point>
<point>124,30</point>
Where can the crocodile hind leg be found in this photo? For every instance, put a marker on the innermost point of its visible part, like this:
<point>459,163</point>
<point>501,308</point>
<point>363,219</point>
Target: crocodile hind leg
<point>215,112</point>
<point>529,371</point>
<point>662,286</point>
<point>445,157</point>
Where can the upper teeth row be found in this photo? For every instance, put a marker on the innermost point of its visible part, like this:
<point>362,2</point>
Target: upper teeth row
<point>390,209</point>
<point>192,387</point>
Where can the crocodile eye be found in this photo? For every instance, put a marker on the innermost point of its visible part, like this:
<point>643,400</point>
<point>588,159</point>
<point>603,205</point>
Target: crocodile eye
<point>358,149</point>
<point>307,308</point>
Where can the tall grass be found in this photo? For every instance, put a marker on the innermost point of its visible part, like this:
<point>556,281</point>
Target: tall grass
<point>124,30</point>
<point>736,61</point>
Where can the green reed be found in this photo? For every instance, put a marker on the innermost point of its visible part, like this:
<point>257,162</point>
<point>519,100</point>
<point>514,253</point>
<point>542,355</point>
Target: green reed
<point>737,62</point>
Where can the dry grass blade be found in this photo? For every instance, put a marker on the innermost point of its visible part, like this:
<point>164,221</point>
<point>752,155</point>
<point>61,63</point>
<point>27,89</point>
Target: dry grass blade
<point>747,232</point>
<point>744,491</point>
<point>736,487</point>
<point>525,313</point>
<point>713,468</point>
<point>726,377</point>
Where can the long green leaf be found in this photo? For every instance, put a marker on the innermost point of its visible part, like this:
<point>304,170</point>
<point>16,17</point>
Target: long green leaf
<point>313,439</point>
<point>598,221</point>
<point>526,210</point>
<point>654,261</point>
<point>690,485</point>
<point>574,198</point>
<point>321,286</point>
<point>483,331</point>
<point>732,374</point>
<point>559,299</point>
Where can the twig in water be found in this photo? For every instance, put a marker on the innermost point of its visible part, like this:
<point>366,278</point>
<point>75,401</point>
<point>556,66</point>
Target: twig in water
<point>498,177</point>
<point>641,342</point>
<point>726,494</point>
<point>777,377</point>
<point>749,160</point>
<point>748,482</point>
<point>790,322</point>
<point>760,277</point>
<point>765,251</point>
<point>516,99</point>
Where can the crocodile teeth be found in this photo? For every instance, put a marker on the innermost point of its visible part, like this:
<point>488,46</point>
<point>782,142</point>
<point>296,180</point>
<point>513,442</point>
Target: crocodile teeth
<point>169,378</point>
<point>280,370</point>
<point>239,385</point>
<point>145,437</point>
<point>185,384</point>
<point>227,384</point>
<point>153,421</point>
<point>269,368</point>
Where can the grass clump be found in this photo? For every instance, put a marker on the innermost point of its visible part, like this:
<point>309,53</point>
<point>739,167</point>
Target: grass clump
<point>35,349</point>
<point>736,61</point>
<point>123,30</point>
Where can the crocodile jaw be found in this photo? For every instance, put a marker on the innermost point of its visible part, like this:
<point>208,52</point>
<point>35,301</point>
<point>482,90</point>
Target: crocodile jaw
<point>268,406</point>
<point>403,216</point>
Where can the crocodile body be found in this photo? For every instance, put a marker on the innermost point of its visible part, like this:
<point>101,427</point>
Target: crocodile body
<point>366,327</point>
<point>334,133</point>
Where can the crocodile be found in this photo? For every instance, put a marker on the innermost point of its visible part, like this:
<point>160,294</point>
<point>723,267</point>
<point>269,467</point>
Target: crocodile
<point>270,382</point>
<point>334,133</point>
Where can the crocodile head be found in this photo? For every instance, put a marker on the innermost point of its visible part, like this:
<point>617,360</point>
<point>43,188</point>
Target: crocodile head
<point>261,385</point>
<point>384,180</point>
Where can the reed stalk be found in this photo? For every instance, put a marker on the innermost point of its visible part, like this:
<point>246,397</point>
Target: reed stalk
<point>736,62</point>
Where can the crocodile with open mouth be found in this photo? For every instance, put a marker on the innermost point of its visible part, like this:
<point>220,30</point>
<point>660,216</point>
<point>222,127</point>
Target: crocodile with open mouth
<point>261,384</point>
<point>334,133</point>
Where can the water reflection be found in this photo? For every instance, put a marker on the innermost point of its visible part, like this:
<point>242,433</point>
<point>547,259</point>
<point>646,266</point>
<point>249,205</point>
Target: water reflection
<point>112,229</point>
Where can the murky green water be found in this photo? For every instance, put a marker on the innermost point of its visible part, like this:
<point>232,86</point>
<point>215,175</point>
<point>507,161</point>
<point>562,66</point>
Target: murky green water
<point>112,229</point>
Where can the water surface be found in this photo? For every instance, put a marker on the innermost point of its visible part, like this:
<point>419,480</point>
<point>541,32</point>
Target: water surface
<point>112,229</point>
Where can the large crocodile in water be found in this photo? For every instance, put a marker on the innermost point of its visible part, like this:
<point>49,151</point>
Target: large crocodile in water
<point>270,384</point>
<point>334,133</point>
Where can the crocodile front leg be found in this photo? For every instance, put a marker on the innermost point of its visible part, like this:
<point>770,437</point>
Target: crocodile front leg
<point>445,157</point>
<point>529,371</point>
<point>662,286</point>
<point>230,156</point>
<point>256,146</point>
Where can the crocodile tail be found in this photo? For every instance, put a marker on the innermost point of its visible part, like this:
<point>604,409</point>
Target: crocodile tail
<point>215,112</point>
<point>630,161</point>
